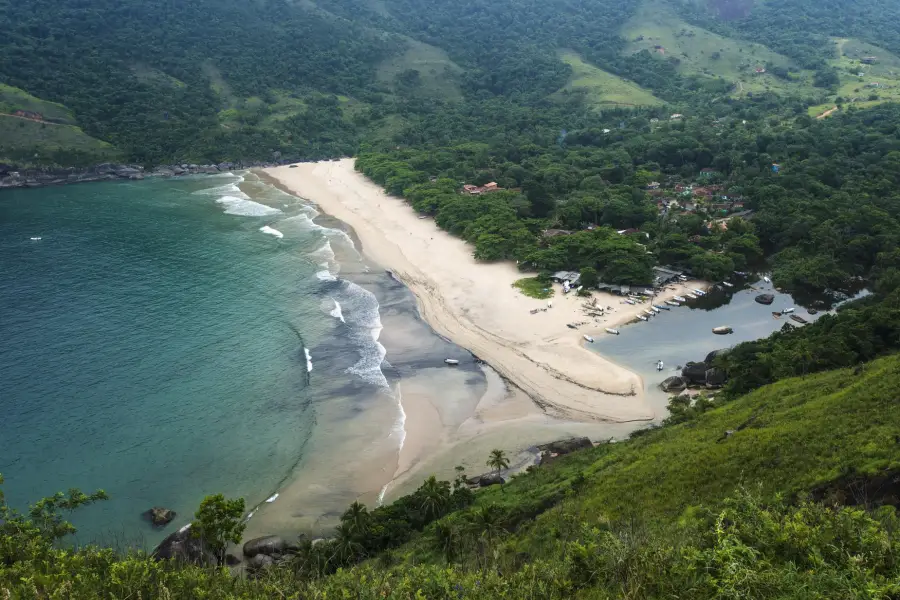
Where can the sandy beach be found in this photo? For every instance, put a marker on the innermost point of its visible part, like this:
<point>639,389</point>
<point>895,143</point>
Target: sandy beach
<point>542,383</point>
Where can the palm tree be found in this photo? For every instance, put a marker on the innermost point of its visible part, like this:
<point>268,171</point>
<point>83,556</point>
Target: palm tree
<point>498,460</point>
<point>435,496</point>
<point>356,518</point>
<point>347,543</point>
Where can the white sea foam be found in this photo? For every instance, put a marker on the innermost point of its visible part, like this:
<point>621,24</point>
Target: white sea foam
<point>245,208</point>
<point>308,364</point>
<point>323,253</point>
<point>336,311</point>
<point>398,430</point>
<point>271,231</point>
<point>324,274</point>
<point>272,498</point>
<point>365,321</point>
<point>226,189</point>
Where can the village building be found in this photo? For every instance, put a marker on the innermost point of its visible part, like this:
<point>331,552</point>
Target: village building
<point>664,275</point>
<point>474,190</point>
<point>653,185</point>
<point>562,276</point>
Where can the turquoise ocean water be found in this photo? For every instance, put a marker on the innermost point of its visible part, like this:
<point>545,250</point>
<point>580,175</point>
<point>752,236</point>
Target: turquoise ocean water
<point>168,339</point>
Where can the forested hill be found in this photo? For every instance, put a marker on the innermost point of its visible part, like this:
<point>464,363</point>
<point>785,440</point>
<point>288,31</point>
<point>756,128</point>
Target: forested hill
<point>205,81</point>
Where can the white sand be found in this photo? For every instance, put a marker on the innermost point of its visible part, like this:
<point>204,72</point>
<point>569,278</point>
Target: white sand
<point>475,305</point>
<point>558,388</point>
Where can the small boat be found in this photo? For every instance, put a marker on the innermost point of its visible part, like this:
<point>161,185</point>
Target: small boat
<point>631,302</point>
<point>767,280</point>
<point>642,317</point>
<point>723,330</point>
<point>726,284</point>
<point>777,315</point>
<point>699,292</point>
<point>451,361</point>
<point>679,298</point>
<point>423,216</point>
<point>799,319</point>
<point>655,310</point>
<point>570,326</point>
<point>649,313</point>
<point>788,310</point>
<point>672,303</point>
<point>692,296</point>
<point>589,338</point>
<point>660,307</point>
<point>659,365</point>
<point>35,239</point>
<point>612,331</point>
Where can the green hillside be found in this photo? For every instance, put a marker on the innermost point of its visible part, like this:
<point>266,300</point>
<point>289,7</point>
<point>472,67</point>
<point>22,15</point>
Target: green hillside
<point>656,27</point>
<point>710,508</point>
<point>31,143</point>
<point>422,70</point>
<point>603,89</point>
<point>13,99</point>
<point>861,84</point>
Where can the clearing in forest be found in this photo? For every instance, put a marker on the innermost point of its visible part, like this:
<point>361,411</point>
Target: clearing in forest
<point>602,88</point>
<point>437,75</point>
<point>657,29</point>
<point>864,82</point>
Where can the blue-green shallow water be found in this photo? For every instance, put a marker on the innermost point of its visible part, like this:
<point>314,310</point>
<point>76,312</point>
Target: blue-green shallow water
<point>153,345</point>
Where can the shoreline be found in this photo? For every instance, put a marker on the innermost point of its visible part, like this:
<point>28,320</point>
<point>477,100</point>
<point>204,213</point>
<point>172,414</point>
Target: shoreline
<point>474,305</point>
<point>542,385</point>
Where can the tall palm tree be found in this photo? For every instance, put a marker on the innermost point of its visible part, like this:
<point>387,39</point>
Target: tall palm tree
<point>435,497</point>
<point>356,518</point>
<point>498,460</point>
<point>347,544</point>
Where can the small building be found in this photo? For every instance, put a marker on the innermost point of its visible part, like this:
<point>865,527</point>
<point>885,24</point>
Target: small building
<point>474,190</point>
<point>676,116</point>
<point>707,173</point>
<point>653,185</point>
<point>869,60</point>
<point>664,275</point>
<point>562,276</point>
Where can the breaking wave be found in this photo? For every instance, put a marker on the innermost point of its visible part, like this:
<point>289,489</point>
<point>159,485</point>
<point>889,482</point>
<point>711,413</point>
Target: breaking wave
<point>243,207</point>
<point>271,231</point>
<point>336,311</point>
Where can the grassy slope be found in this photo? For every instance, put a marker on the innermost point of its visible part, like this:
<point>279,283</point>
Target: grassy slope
<point>602,88</point>
<point>438,74</point>
<point>855,90</point>
<point>695,48</point>
<point>794,435</point>
<point>13,99</point>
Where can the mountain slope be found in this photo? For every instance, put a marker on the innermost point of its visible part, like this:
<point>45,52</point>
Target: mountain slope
<point>601,88</point>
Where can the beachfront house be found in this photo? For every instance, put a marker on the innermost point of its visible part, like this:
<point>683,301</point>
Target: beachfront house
<point>664,275</point>
<point>562,276</point>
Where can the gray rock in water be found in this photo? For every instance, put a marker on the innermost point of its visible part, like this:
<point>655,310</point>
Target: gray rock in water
<point>490,479</point>
<point>269,545</point>
<point>695,372</point>
<point>159,516</point>
<point>715,377</point>
<point>673,384</point>
<point>765,299</point>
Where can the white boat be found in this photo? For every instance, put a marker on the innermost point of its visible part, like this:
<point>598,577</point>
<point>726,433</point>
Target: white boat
<point>589,338</point>
<point>660,307</point>
<point>612,331</point>
<point>649,313</point>
<point>672,303</point>
<point>659,365</point>
<point>451,361</point>
<point>655,310</point>
<point>723,330</point>
<point>631,302</point>
<point>788,310</point>
<point>726,284</point>
<point>642,317</point>
<point>692,296</point>
<point>767,280</point>
<point>679,298</point>
<point>35,239</point>
<point>698,292</point>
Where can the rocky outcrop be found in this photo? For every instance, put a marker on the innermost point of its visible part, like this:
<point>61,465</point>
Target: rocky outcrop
<point>11,177</point>
<point>765,299</point>
<point>159,516</point>
<point>711,357</point>
<point>695,372</point>
<point>490,479</point>
<point>559,448</point>
<point>269,545</point>
<point>182,547</point>
<point>674,384</point>
<point>260,562</point>
<point>715,377</point>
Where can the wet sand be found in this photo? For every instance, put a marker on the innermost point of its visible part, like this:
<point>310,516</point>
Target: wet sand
<point>542,383</point>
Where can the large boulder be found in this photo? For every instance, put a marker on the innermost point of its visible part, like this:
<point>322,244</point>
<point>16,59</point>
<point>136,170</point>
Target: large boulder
<point>260,562</point>
<point>490,479</point>
<point>182,547</point>
<point>695,372</point>
<point>715,377</point>
<point>673,384</point>
<point>765,299</point>
<point>715,354</point>
<point>159,516</point>
<point>270,545</point>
